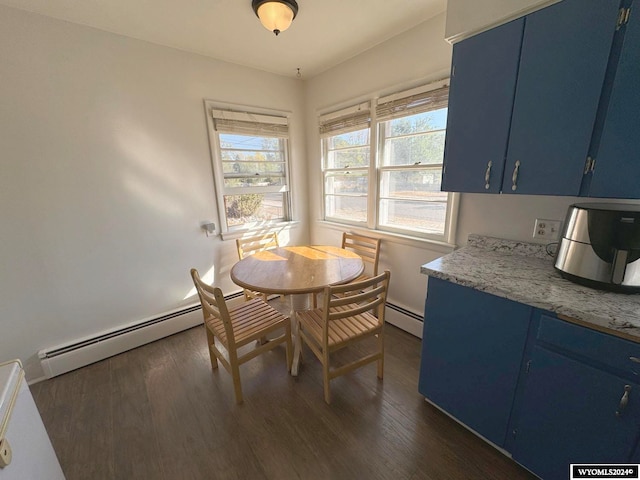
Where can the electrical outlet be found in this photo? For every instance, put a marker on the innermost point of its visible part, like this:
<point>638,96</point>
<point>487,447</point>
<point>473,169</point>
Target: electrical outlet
<point>547,229</point>
<point>209,228</point>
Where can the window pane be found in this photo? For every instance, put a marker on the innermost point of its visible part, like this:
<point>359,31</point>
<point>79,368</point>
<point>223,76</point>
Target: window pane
<point>351,139</point>
<point>355,183</point>
<point>422,122</point>
<point>252,161</point>
<point>252,168</point>
<point>427,217</point>
<point>248,142</point>
<point>353,209</point>
<point>253,208</point>
<point>413,184</point>
<point>424,148</point>
<point>241,156</point>
<point>349,158</point>
<point>257,181</point>
<point>348,150</point>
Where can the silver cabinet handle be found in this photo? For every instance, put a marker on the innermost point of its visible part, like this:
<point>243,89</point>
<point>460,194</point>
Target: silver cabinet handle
<point>514,177</point>
<point>624,401</point>
<point>487,175</point>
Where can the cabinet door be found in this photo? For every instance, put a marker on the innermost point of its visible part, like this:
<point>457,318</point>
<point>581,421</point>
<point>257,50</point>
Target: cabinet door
<point>568,415</point>
<point>617,167</point>
<point>565,51</point>
<point>483,78</point>
<point>472,349</point>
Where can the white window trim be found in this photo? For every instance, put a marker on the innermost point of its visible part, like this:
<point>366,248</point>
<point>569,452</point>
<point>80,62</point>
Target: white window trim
<point>446,241</point>
<point>243,112</point>
<point>348,111</point>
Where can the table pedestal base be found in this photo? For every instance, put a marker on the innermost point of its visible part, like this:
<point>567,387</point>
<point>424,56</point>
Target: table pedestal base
<point>298,302</point>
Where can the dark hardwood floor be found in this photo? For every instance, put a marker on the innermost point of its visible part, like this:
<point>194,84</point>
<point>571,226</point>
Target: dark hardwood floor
<point>159,412</point>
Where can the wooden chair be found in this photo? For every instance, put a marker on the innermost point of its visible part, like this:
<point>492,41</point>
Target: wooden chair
<point>356,313</point>
<point>250,245</point>
<point>236,328</point>
<point>368,248</point>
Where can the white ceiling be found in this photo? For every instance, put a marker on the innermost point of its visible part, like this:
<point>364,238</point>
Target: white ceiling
<point>324,34</point>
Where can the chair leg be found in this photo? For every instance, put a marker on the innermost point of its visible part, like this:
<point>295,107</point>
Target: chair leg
<point>325,376</point>
<point>381,360</point>
<point>235,373</point>
<point>297,349</point>
<point>212,356</point>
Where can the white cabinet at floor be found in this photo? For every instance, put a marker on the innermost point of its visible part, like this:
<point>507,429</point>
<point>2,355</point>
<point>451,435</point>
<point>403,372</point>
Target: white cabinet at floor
<point>25,449</point>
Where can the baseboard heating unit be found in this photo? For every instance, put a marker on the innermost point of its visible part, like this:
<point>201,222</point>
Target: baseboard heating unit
<point>70,356</point>
<point>82,352</point>
<point>404,319</point>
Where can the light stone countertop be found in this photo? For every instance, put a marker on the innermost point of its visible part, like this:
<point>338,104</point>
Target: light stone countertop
<point>524,272</point>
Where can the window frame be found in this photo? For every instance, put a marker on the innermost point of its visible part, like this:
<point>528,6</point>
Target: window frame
<point>346,170</point>
<point>215,110</point>
<point>377,170</point>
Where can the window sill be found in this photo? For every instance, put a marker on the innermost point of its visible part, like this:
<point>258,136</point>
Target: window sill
<point>435,245</point>
<point>271,227</point>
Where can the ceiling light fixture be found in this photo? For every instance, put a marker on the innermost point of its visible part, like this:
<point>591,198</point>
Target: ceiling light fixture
<point>275,15</point>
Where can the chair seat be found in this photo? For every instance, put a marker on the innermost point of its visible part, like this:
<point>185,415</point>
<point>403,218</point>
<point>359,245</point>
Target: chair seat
<point>250,321</point>
<point>341,330</point>
<point>230,329</point>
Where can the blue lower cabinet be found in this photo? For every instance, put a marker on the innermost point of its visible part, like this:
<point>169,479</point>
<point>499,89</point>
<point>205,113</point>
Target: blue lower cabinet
<point>573,412</point>
<point>635,456</point>
<point>472,350</point>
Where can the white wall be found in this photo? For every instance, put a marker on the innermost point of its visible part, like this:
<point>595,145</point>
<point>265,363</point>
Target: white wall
<point>105,176</point>
<point>416,57</point>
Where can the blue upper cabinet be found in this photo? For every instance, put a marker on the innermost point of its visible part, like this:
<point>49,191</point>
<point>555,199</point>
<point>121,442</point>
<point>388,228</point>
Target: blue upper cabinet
<point>483,82</point>
<point>617,161</point>
<point>534,127</point>
<point>565,52</point>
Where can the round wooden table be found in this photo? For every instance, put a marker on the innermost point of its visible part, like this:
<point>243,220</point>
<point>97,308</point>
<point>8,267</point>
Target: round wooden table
<point>297,272</point>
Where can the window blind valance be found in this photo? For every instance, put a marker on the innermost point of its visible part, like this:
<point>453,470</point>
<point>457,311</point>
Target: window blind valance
<point>349,119</point>
<point>226,121</point>
<point>416,103</point>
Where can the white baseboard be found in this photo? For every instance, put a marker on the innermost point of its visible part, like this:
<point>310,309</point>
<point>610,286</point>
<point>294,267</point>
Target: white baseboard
<point>64,358</point>
<point>70,356</point>
<point>404,319</point>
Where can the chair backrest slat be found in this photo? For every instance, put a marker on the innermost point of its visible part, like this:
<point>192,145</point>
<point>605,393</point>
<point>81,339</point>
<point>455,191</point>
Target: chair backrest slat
<point>368,248</point>
<point>357,297</point>
<point>213,304</point>
<point>258,243</point>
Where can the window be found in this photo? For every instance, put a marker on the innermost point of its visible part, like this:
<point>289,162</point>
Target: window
<point>347,160</point>
<point>393,184</point>
<point>411,131</point>
<point>250,153</point>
